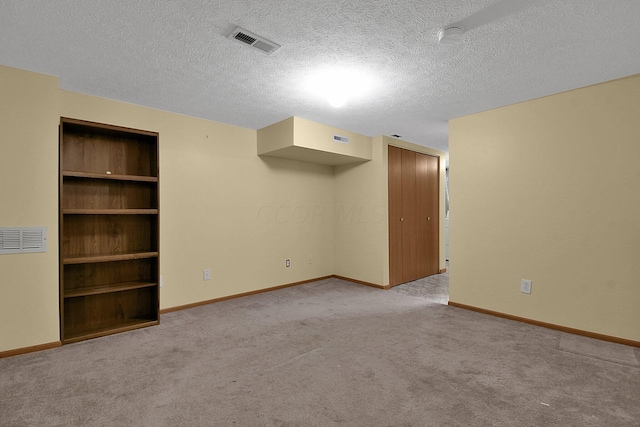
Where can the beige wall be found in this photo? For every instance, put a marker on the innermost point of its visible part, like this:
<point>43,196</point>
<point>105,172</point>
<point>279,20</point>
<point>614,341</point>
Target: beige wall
<point>222,207</point>
<point>361,219</point>
<point>29,197</point>
<point>547,190</point>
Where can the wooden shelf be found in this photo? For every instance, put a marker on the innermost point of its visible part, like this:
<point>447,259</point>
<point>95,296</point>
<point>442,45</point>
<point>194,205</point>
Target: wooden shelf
<point>110,211</point>
<point>109,229</point>
<point>96,290</point>
<point>108,257</point>
<point>106,329</point>
<point>92,175</point>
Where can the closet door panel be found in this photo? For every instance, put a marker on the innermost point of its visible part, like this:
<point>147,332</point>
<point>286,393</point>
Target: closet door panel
<point>432,238</point>
<point>409,217</point>
<point>395,213</point>
<point>422,214</point>
<point>413,215</point>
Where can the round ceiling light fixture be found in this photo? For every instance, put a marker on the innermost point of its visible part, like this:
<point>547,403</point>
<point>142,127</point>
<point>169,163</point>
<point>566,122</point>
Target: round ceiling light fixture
<point>450,34</point>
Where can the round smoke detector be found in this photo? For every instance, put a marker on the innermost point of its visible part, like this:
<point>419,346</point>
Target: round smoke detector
<point>450,34</point>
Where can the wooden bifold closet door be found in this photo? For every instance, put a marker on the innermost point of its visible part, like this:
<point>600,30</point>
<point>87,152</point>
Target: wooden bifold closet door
<point>413,215</point>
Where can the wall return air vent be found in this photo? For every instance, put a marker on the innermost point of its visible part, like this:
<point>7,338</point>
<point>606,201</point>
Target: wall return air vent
<point>254,40</point>
<point>19,240</point>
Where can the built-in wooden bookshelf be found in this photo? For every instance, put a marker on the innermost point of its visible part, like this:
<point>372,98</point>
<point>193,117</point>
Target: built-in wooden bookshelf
<point>109,229</point>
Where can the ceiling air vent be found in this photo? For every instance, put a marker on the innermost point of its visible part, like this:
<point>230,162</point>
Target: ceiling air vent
<point>254,40</point>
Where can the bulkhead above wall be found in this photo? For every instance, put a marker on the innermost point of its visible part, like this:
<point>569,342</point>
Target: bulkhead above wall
<point>300,139</point>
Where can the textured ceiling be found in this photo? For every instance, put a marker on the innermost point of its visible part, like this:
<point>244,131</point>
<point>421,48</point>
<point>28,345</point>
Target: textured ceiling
<point>174,55</point>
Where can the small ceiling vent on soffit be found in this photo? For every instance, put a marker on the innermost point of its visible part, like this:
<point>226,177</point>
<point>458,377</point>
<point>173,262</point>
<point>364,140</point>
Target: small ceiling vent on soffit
<point>254,40</point>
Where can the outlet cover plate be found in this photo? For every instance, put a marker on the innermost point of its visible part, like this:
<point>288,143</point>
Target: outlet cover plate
<point>525,286</point>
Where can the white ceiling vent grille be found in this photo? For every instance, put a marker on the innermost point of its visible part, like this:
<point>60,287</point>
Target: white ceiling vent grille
<point>18,240</point>
<point>254,40</point>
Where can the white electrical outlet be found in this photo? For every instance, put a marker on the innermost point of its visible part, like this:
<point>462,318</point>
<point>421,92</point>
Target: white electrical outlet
<point>287,263</point>
<point>160,281</point>
<point>525,286</point>
<point>206,274</point>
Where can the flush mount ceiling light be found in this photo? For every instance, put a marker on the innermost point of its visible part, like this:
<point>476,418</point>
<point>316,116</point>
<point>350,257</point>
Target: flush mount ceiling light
<point>451,34</point>
<point>338,86</point>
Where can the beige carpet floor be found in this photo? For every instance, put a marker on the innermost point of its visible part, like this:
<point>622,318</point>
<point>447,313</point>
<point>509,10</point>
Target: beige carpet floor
<point>433,288</point>
<point>327,353</point>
